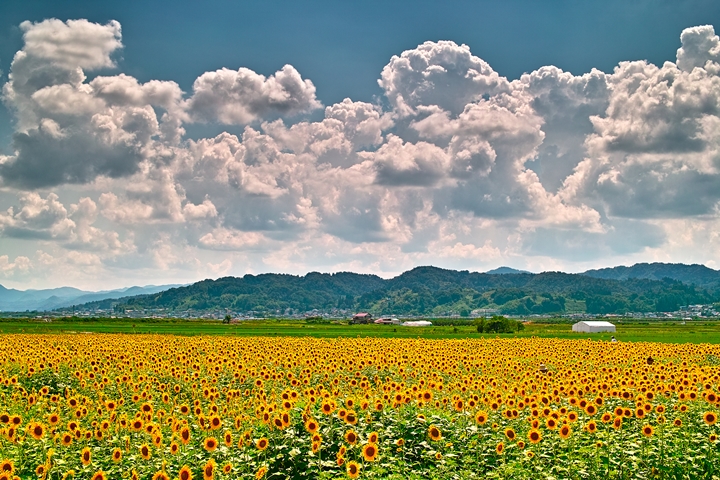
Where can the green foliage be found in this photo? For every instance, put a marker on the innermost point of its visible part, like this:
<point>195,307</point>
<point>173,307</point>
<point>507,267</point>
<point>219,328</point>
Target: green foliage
<point>498,324</point>
<point>317,320</point>
<point>425,291</point>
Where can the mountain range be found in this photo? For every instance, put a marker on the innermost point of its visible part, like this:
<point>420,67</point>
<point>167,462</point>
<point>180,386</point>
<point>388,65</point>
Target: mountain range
<point>12,300</point>
<point>436,291</point>
<point>695,274</point>
<point>642,287</point>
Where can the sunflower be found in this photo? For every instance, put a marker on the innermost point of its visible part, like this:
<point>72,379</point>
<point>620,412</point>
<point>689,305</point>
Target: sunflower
<point>7,466</point>
<point>161,476</point>
<point>86,456</point>
<point>500,448</point>
<point>353,470</point>
<point>648,430</point>
<point>185,435</point>
<point>565,432</point>
<point>227,438</point>
<point>710,418</point>
<point>41,470</point>
<point>185,473</point>
<point>215,422</point>
<point>262,443</point>
<point>210,444</point>
<point>369,451</point>
<point>209,470</point>
<point>260,472</point>
<point>37,430</point>
<point>227,468</point>
<point>174,448</point>
<point>66,439</point>
<point>311,425</point>
<point>551,423</point>
<point>351,437</point>
<point>351,417</point>
<point>145,451</point>
<point>434,433</point>
<point>481,417</point>
<point>534,436</point>
<point>116,455</point>
<point>617,423</point>
<point>373,437</point>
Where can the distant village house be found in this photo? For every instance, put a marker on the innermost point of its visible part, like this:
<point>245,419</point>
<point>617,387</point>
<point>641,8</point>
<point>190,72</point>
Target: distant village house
<point>361,318</point>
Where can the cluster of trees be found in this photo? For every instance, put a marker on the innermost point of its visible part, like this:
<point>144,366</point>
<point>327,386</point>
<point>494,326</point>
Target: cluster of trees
<point>428,291</point>
<point>498,324</point>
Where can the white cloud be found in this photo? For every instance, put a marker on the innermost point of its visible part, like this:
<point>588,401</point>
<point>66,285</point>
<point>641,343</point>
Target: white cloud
<point>465,167</point>
<point>75,43</point>
<point>223,239</point>
<point>47,219</point>
<point>20,267</point>
<point>699,46</point>
<point>438,73</point>
<point>243,96</point>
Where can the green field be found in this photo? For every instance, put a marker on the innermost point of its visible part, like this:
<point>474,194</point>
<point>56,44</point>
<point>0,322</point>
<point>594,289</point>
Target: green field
<point>669,332</point>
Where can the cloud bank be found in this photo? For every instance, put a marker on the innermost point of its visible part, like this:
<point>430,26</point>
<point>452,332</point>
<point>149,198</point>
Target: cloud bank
<point>461,167</point>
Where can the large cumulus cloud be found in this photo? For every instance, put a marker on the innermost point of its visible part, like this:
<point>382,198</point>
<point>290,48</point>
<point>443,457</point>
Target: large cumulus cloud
<point>240,97</point>
<point>466,168</point>
<point>654,151</point>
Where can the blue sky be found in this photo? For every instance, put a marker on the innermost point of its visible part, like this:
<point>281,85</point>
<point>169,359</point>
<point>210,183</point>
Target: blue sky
<point>582,191</point>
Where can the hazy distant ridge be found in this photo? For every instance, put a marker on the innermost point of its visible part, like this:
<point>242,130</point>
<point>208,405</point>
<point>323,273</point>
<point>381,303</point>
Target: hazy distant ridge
<point>695,274</point>
<point>50,299</point>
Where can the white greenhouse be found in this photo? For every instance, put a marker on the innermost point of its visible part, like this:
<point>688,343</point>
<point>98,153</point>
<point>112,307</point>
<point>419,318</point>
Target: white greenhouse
<point>593,327</point>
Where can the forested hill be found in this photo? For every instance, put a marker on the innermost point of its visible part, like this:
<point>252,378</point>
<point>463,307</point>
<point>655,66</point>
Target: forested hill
<point>699,275</point>
<point>429,291</point>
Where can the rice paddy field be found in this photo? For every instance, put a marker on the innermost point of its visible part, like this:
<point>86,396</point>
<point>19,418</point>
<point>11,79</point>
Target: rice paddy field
<point>149,405</point>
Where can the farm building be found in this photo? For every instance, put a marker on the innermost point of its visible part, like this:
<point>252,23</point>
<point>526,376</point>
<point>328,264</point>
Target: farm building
<point>361,318</point>
<point>593,327</point>
<point>417,323</point>
<point>388,321</point>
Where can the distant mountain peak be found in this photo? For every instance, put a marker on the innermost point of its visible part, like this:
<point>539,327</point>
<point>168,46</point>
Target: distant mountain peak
<point>505,271</point>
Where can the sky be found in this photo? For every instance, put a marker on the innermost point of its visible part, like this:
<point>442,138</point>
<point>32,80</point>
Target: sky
<point>168,142</point>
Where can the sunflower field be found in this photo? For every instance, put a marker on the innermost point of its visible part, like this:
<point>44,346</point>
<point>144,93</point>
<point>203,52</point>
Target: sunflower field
<point>102,406</point>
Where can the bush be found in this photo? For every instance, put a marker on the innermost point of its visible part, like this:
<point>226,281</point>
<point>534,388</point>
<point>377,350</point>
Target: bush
<point>498,324</point>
